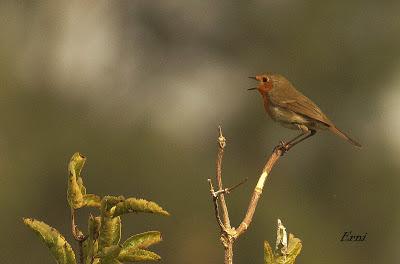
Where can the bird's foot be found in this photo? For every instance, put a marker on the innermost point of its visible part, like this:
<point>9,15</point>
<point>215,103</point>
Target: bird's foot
<point>283,147</point>
<point>288,146</point>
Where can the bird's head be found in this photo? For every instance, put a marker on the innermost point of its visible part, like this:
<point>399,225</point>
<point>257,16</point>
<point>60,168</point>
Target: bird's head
<point>266,82</point>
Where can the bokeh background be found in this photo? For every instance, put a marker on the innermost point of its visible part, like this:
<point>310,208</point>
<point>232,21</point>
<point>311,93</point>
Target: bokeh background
<point>139,87</point>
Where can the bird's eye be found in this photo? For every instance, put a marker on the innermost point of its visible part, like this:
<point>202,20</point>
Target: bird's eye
<point>265,79</point>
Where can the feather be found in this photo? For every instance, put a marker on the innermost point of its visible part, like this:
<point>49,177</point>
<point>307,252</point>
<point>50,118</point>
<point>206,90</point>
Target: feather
<point>291,99</point>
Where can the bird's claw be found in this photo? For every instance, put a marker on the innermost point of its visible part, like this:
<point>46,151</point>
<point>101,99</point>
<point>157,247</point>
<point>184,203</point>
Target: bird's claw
<point>283,147</point>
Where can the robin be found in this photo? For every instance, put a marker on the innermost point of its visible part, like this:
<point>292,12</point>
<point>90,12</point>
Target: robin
<point>286,105</point>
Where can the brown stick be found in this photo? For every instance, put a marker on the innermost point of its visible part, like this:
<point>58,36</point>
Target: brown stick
<point>276,154</point>
<point>78,235</point>
<point>221,148</point>
<point>228,234</point>
<point>216,206</point>
<point>228,253</point>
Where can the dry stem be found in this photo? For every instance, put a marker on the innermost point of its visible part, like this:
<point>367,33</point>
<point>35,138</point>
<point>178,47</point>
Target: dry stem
<point>221,148</point>
<point>230,234</point>
<point>78,235</point>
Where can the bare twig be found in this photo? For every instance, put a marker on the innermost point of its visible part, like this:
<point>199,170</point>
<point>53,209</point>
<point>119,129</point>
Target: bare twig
<point>230,189</point>
<point>81,257</point>
<point>228,234</point>
<point>276,154</point>
<point>216,207</point>
<point>78,235</point>
<point>215,195</point>
<point>220,155</point>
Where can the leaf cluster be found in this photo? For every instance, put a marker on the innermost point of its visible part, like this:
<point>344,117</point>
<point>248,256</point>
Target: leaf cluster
<point>101,244</point>
<point>288,256</point>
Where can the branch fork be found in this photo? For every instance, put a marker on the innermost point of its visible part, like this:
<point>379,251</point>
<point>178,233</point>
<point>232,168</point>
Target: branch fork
<point>228,233</point>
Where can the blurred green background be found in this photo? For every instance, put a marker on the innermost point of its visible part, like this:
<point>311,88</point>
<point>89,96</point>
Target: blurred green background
<point>139,87</point>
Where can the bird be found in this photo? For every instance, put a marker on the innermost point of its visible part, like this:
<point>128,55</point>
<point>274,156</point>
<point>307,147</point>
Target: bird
<point>292,109</point>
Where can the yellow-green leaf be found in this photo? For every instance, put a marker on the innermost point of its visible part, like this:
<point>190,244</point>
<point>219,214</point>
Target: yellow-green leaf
<point>92,200</point>
<point>109,253</point>
<point>76,164</point>
<point>139,255</point>
<point>110,231</point>
<point>108,261</point>
<point>143,240</point>
<point>268,253</point>
<point>76,190</point>
<point>58,246</point>
<point>108,204</point>
<point>90,245</point>
<point>133,205</point>
<point>140,241</point>
<point>79,180</point>
<point>294,248</point>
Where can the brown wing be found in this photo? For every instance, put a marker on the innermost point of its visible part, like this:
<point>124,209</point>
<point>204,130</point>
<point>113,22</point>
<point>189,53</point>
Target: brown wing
<point>288,97</point>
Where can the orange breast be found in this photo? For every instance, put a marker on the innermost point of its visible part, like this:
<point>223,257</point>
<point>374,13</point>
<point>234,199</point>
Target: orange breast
<point>266,103</point>
<point>264,88</point>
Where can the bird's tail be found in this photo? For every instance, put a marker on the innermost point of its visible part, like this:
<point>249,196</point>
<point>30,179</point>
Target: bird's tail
<point>344,136</point>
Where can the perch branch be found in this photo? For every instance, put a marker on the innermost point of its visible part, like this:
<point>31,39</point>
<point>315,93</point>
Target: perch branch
<point>276,154</point>
<point>229,234</point>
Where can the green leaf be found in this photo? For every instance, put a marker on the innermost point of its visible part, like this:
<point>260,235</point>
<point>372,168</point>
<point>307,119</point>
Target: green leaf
<point>294,248</point>
<point>76,164</point>
<point>76,193</point>
<point>108,204</point>
<point>76,190</point>
<point>110,228</point>
<point>108,261</point>
<point>140,241</point>
<point>79,180</point>
<point>90,245</point>
<point>59,247</point>
<point>133,205</point>
<point>110,231</point>
<point>143,240</point>
<point>92,200</point>
<point>109,254</point>
<point>139,255</point>
<point>94,227</point>
<point>268,254</point>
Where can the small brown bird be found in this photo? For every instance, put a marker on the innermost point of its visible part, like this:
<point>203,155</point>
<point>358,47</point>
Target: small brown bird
<point>294,110</point>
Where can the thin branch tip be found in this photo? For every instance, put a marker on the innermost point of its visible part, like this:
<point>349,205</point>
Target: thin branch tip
<point>220,130</point>
<point>211,187</point>
<point>228,190</point>
<point>221,138</point>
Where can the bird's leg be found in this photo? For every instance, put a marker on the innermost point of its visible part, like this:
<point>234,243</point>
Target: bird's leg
<point>292,142</point>
<point>285,146</point>
<point>296,137</point>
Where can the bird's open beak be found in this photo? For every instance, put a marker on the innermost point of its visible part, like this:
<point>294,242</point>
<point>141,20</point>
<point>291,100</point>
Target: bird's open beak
<point>254,88</point>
